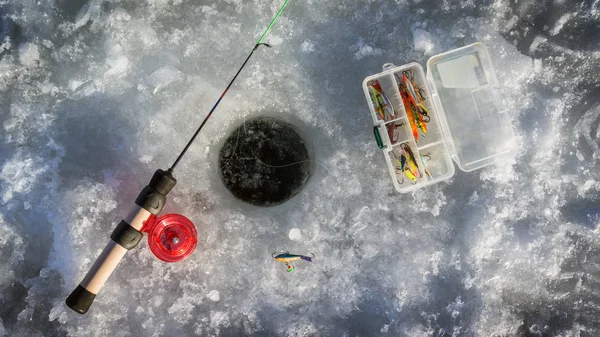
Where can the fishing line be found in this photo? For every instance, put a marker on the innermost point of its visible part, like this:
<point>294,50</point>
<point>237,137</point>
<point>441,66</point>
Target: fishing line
<point>258,44</point>
<point>286,165</point>
<point>262,162</point>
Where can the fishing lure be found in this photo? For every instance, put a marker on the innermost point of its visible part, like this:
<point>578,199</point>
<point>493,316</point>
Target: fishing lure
<point>423,156</point>
<point>410,113</point>
<point>287,258</point>
<point>416,112</point>
<point>407,164</point>
<point>382,104</point>
<point>421,114</point>
<point>411,90</point>
<point>411,161</point>
<point>417,96</point>
<point>403,169</point>
<point>419,91</point>
<point>421,124</point>
<point>394,132</point>
<point>424,113</point>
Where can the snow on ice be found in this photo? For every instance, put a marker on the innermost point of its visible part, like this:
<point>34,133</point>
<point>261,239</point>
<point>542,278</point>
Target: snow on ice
<point>96,95</point>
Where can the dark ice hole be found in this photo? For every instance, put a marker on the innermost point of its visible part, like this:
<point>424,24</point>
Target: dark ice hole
<point>265,162</point>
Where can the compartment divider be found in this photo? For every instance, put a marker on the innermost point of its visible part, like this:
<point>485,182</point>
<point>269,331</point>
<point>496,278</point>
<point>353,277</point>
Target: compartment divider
<point>424,147</point>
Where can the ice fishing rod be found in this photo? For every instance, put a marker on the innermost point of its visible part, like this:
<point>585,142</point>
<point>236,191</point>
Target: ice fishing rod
<point>171,237</point>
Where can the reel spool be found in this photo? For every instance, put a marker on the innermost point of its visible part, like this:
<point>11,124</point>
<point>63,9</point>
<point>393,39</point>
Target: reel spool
<point>171,237</point>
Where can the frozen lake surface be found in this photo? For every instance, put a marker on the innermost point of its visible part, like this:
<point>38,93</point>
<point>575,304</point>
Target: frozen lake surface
<point>96,95</point>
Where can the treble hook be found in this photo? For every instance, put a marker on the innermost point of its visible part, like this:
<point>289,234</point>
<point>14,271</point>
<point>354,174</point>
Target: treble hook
<point>414,182</point>
<point>393,132</point>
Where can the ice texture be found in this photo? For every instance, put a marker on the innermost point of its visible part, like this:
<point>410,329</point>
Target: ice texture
<point>96,95</point>
<point>424,42</point>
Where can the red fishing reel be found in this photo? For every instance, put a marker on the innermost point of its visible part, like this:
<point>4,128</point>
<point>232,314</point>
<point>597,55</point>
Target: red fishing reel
<point>171,237</point>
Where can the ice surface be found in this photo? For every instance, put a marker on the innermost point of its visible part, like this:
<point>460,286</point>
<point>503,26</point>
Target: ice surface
<point>295,234</point>
<point>424,42</point>
<point>96,95</point>
<point>560,24</point>
<point>29,55</point>
<point>361,50</point>
<point>213,295</point>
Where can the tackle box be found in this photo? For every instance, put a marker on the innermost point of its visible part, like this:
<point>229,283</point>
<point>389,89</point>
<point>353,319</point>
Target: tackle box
<point>466,120</point>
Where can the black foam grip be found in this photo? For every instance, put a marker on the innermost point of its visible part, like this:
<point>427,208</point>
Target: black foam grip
<point>153,196</point>
<point>150,200</point>
<point>80,300</point>
<point>163,182</point>
<point>126,236</point>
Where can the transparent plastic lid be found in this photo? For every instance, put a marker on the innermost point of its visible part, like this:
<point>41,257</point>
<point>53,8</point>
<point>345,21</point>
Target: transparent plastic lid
<point>475,125</point>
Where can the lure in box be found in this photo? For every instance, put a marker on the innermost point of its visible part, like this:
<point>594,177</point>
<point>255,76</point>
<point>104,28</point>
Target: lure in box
<point>423,122</point>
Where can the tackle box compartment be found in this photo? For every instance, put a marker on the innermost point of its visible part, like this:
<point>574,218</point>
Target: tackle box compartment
<point>466,120</point>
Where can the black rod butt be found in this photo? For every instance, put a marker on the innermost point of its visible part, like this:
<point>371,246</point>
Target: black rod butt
<point>80,300</point>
